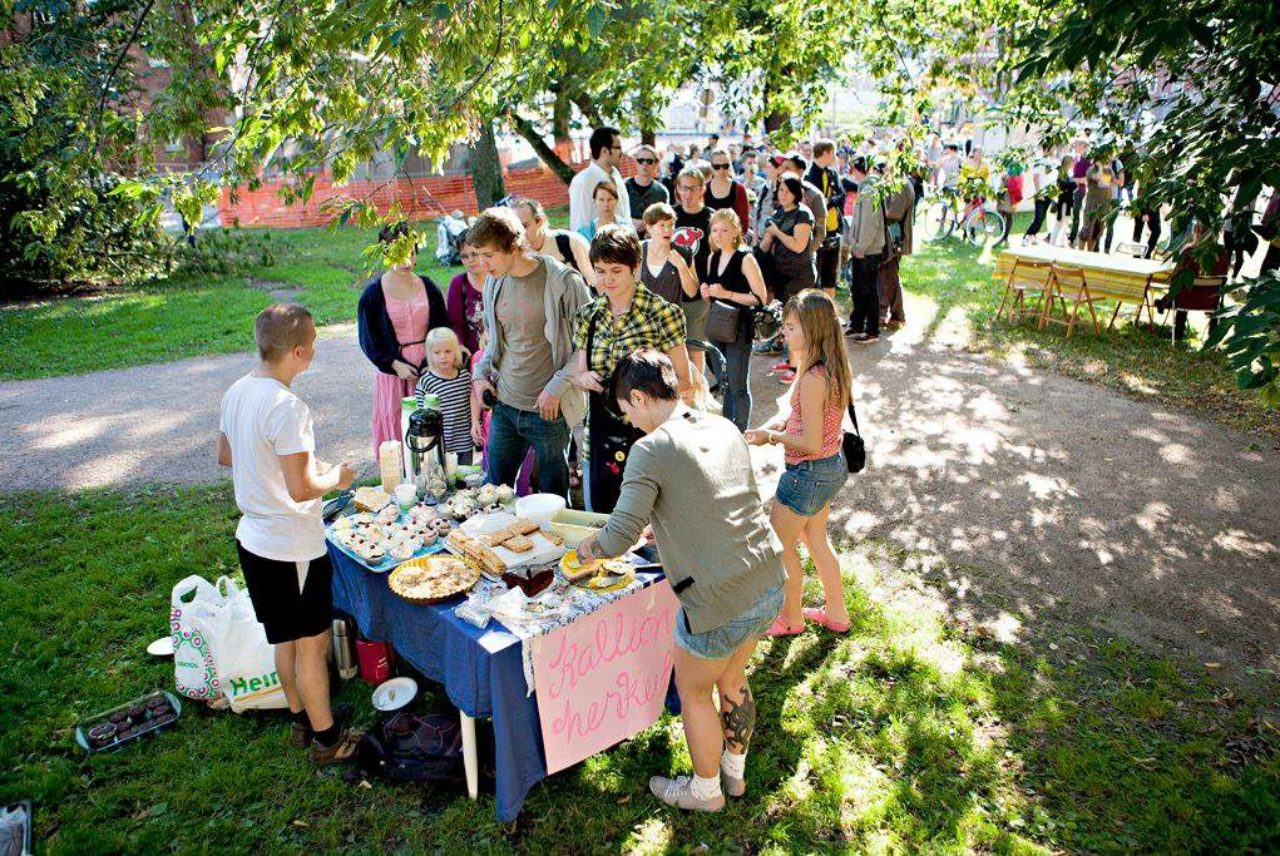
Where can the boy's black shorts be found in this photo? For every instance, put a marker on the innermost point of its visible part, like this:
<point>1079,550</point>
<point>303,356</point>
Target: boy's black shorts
<point>285,612</point>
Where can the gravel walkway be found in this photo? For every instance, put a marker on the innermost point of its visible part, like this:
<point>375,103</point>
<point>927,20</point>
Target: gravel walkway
<point>1056,499</point>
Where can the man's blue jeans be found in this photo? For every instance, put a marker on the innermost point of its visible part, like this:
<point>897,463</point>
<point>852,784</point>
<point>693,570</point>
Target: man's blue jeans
<point>511,434</point>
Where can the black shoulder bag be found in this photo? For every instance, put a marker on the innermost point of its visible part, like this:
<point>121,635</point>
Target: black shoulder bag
<point>855,451</point>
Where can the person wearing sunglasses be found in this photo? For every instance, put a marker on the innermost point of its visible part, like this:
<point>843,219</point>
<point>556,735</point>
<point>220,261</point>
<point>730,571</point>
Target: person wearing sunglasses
<point>722,191</point>
<point>643,188</point>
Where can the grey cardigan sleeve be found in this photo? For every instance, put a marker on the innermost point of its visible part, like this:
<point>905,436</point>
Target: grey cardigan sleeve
<point>639,493</point>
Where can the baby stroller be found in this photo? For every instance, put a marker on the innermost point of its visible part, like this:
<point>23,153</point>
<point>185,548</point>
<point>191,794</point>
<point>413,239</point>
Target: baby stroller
<point>450,229</point>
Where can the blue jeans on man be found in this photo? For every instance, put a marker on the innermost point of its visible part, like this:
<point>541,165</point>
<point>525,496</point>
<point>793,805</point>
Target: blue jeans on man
<point>512,433</point>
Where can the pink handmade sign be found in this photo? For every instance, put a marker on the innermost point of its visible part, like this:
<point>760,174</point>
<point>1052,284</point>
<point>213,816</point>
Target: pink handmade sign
<point>604,677</point>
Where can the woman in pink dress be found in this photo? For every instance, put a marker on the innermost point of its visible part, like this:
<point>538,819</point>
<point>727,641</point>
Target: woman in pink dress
<point>395,312</point>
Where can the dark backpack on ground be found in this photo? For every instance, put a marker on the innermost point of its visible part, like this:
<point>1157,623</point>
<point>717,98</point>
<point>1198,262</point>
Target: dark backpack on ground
<point>412,748</point>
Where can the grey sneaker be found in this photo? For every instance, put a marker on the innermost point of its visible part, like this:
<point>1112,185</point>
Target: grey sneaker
<point>733,787</point>
<point>676,792</point>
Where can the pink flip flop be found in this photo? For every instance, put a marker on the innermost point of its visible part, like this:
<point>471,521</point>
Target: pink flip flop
<point>819,616</point>
<point>781,628</point>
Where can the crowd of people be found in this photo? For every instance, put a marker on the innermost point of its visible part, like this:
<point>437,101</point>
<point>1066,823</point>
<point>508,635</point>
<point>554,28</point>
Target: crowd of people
<point>585,348</point>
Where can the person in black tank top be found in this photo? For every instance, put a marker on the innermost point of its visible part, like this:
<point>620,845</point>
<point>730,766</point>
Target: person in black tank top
<point>733,276</point>
<point>665,269</point>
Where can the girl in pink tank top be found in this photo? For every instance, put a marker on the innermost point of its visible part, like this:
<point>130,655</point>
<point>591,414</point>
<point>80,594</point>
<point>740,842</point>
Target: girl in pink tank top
<point>816,470</point>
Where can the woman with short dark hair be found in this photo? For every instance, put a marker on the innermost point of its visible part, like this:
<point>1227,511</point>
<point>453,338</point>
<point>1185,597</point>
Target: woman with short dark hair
<point>625,316</point>
<point>690,477</point>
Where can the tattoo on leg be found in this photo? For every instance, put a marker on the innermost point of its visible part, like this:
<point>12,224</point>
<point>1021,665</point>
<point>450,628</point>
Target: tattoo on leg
<point>739,720</point>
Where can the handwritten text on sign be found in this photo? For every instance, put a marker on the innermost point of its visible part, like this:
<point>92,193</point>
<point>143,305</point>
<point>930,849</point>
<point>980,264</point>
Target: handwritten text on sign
<point>604,677</point>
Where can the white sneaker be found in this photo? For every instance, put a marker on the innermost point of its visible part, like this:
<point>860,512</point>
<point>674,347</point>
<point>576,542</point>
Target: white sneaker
<point>678,792</point>
<point>733,787</point>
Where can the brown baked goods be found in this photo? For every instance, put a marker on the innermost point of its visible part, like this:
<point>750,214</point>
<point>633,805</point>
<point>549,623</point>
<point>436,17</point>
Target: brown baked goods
<point>523,526</point>
<point>553,537</point>
<point>493,539</point>
<point>518,544</point>
<point>477,552</point>
<point>432,579</point>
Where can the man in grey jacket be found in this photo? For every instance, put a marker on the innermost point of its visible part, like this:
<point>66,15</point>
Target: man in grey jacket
<point>530,303</point>
<point>866,239</point>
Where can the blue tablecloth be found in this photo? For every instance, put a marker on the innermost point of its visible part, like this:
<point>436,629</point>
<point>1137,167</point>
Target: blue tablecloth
<point>482,670</point>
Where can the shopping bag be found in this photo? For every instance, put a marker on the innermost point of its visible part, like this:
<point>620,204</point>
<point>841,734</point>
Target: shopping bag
<point>245,660</point>
<point>194,672</point>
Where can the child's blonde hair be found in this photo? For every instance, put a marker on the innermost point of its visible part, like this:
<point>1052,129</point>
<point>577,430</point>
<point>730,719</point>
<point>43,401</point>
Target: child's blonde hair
<point>445,335</point>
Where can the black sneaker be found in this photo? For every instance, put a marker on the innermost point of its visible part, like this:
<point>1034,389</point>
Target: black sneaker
<point>866,338</point>
<point>300,736</point>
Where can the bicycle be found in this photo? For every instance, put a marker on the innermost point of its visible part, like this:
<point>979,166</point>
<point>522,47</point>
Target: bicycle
<point>978,220</point>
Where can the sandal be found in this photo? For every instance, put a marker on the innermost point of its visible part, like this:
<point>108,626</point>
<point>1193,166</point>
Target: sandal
<point>781,628</point>
<point>343,750</point>
<point>819,616</point>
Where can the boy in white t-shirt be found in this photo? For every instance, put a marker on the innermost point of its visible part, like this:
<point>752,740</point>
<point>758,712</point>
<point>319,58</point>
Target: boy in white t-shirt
<point>268,441</point>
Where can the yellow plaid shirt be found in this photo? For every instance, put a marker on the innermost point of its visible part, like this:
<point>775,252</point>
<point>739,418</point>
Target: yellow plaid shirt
<point>650,322</point>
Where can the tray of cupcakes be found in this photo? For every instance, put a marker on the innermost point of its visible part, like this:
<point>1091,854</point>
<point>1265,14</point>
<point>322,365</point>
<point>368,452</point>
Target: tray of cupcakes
<point>133,720</point>
<point>380,540</point>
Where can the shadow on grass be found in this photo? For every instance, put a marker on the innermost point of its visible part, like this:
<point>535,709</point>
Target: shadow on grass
<point>918,731</point>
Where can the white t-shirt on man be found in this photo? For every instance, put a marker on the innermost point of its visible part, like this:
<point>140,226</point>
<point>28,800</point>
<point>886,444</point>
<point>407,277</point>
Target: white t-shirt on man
<point>582,196</point>
<point>262,420</point>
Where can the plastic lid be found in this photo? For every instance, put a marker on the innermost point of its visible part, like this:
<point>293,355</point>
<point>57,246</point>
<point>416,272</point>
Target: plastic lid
<point>409,402</point>
<point>431,400</point>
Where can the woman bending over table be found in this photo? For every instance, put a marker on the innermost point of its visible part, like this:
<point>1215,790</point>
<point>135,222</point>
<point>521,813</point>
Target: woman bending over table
<point>690,477</point>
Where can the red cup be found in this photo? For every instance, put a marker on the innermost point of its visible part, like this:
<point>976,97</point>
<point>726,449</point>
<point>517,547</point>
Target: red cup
<point>375,661</point>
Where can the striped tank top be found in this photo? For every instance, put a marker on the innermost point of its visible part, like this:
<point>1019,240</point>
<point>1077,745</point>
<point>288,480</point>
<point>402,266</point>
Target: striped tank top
<point>832,417</point>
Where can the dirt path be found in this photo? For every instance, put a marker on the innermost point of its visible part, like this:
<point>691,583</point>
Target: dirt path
<point>1056,499</point>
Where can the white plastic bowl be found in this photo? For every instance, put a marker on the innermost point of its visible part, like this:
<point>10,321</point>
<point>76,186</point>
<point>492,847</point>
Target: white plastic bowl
<point>540,507</point>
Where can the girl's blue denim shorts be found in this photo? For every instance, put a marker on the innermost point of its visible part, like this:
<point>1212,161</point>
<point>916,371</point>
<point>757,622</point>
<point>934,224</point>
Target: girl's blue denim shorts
<point>807,486</point>
<point>722,641</point>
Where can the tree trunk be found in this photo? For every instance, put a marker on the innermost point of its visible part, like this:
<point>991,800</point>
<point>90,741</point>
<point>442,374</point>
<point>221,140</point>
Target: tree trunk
<point>560,120</point>
<point>486,168</point>
<point>545,153</point>
<point>588,109</point>
<point>648,121</point>
<point>774,119</point>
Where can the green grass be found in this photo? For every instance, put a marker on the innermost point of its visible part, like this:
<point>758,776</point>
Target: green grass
<point>918,732</point>
<point>1128,358</point>
<point>186,316</point>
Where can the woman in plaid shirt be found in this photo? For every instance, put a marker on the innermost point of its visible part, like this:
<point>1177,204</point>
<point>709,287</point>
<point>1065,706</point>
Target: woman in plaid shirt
<point>626,316</point>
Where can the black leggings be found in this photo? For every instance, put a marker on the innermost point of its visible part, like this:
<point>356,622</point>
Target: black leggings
<point>1153,222</point>
<point>1042,209</point>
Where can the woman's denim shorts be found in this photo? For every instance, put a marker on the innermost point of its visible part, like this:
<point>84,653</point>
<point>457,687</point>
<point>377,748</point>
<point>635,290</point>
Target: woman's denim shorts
<point>724,640</point>
<point>807,486</point>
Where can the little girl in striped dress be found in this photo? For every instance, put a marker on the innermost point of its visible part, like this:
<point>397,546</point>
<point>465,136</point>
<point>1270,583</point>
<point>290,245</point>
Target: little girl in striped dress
<point>448,378</point>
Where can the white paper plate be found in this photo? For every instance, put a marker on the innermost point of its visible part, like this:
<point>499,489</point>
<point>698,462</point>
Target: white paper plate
<point>162,647</point>
<point>394,694</point>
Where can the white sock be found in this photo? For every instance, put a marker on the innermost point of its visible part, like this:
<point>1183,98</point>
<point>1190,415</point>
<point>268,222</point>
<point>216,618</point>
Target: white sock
<point>733,765</point>
<point>704,789</point>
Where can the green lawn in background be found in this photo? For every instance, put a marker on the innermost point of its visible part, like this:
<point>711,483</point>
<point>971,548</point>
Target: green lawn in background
<point>917,732</point>
<point>957,277</point>
<point>323,269</point>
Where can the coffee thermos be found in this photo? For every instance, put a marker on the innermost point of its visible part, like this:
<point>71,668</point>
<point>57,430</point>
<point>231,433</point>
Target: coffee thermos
<point>344,657</point>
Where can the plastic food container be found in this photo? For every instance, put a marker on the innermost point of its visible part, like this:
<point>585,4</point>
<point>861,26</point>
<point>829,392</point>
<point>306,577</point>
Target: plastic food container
<point>111,729</point>
<point>540,507</point>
